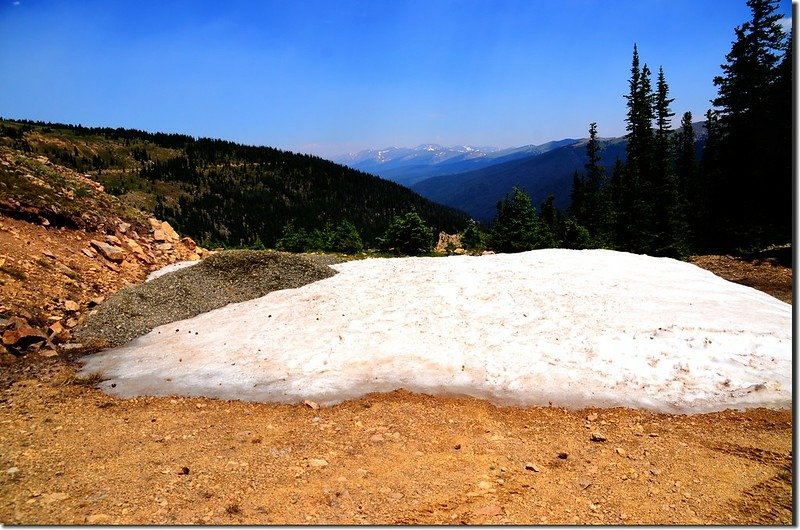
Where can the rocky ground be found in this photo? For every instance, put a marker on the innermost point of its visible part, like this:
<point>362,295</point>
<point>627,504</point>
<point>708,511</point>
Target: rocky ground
<point>70,454</point>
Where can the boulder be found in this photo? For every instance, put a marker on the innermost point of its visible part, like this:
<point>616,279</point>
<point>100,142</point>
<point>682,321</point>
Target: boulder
<point>110,252</point>
<point>189,243</point>
<point>22,337</point>
<point>170,232</point>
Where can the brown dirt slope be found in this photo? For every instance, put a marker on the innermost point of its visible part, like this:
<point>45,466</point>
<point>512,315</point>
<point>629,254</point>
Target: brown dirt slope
<point>70,454</point>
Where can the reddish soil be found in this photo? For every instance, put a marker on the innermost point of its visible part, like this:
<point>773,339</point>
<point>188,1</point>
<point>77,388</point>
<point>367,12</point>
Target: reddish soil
<point>73,455</point>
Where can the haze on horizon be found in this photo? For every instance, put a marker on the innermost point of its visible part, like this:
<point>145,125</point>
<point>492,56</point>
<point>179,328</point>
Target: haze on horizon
<point>329,78</point>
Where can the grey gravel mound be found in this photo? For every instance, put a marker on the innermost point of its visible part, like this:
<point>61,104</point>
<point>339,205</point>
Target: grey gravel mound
<point>223,278</point>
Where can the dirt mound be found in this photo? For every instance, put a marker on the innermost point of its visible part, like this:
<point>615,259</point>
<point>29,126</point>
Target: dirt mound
<point>221,279</point>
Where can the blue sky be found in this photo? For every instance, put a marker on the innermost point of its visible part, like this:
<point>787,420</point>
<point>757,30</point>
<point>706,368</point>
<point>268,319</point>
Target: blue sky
<point>334,76</point>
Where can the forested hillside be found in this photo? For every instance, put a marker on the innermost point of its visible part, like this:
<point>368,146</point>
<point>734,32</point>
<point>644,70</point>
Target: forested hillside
<point>223,193</point>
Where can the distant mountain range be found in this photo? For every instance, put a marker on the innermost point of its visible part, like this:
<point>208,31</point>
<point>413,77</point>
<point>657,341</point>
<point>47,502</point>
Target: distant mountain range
<point>473,179</point>
<point>409,165</point>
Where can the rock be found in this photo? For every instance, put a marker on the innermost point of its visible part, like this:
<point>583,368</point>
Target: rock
<point>171,234</point>
<point>71,322</point>
<point>189,243</point>
<point>48,352</point>
<point>311,404</point>
<point>113,240</point>
<point>123,227</point>
<point>159,235</point>
<point>620,451</point>
<point>317,462</point>
<point>12,471</point>
<point>490,510</point>
<point>4,323</point>
<point>562,455</point>
<point>376,438</point>
<point>164,247</point>
<point>23,336</point>
<point>138,250</point>
<point>155,224</point>
<point>448,243</point>
<point>530,466</point>
<point>110,252</point>
<point>99,518</point>
<point>49,498</point>
<point>88,252</point>
<point>55,328</point>
<point>96,301</point>
<point>71,305</point>
<point>584,484</point>
<point>49,254</point>
<point>485,485</point>
<point>66,271</point>
<point>592,417</point>
<point>597,437</point>
<point>653,435</point>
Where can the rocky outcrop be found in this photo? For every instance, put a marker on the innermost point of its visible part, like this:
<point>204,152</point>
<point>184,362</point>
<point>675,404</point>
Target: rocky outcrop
<point>110,252</point>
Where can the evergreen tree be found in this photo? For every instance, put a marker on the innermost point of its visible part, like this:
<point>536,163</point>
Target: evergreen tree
<point>408,234</point>
<point>552,219</point>
<point>634,215</point>
<point>516,227</point>
<point>472,238</point>
<point>669,218</point>
<point>753,171</point>
<point>689,188</point>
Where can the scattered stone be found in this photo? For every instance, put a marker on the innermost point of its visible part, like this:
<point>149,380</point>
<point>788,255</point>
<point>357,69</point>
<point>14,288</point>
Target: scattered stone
<point>653,435</point>
<point>562,455</point>
<point>583,484</point>
<point>317,462</point>
<point>311,404</point>
<point>620,451</point>
<point>597,437</point>
<point>530,466</point>
<point>12,471</point>
<point>88,252</point>
<point>457,447</point>
<point>655,472</point>
<point>48,352</point>
<point>113,240</point>
<point>110,252</point>
<point>376,438</point>
<point>485,485</point>
<point>159,235</point>
<point>592,417</point>
<point>71,305</point>
<point>123,227</point>
<point>49,254</point>
<point>184,471</point>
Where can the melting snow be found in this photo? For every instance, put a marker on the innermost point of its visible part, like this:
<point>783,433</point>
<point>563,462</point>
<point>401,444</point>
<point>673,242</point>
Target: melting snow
<point>571,328</point>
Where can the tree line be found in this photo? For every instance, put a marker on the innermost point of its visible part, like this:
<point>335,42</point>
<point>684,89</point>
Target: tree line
<point>663,200</point>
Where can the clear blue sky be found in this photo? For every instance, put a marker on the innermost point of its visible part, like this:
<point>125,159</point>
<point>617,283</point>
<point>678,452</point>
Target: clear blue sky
<point>333,76</point>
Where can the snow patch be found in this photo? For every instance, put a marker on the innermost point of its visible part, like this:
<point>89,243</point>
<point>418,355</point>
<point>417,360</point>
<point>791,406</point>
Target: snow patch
<point>563,327</point>
<point>170,268</point>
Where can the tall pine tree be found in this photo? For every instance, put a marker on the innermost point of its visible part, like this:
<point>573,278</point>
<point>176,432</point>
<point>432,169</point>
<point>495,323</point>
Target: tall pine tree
<point>754,172</point>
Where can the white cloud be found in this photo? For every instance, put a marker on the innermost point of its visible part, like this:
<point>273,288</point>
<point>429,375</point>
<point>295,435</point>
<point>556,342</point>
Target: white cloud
<point>16,3</point>
<point>786,23</point>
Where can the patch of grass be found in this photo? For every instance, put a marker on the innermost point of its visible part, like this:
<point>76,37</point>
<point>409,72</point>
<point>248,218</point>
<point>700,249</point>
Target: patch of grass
<point>14,272</point>
<point>90,381</point>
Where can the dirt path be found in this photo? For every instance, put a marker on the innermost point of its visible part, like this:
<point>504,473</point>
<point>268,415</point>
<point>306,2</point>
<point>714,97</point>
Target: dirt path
<point>72,455</point>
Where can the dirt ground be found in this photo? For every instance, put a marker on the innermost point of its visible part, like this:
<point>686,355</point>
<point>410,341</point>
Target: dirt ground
<point>70,454</point>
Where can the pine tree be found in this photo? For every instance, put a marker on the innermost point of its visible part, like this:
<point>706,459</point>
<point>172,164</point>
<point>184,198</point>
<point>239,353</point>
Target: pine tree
<point>634,219</point>
<point>516,227</point>
<point>669,218</point>
<point>689,188</point>
<point>750,205</point>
